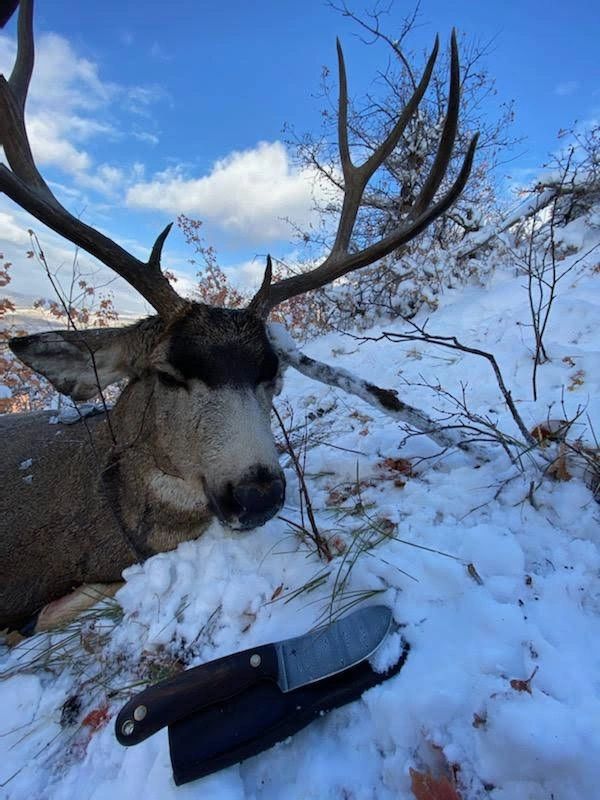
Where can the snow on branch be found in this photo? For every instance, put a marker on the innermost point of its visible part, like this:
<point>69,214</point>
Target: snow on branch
<point>528,208</point>
<point>420,334</point>
<point>547,193</point>
<point>385,400</point>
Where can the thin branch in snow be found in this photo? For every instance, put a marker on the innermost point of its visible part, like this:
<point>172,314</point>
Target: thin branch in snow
<point>314,533</point>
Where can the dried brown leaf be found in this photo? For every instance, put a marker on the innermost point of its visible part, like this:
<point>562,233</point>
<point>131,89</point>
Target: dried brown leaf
<point>425,787</point>
<point>277,592</point>
<point>520,685</point>
<point>397,465</point>
<point>558,469</point>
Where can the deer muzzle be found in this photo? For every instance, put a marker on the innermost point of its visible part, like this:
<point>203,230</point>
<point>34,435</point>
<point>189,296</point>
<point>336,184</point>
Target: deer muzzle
<point>251,502</point>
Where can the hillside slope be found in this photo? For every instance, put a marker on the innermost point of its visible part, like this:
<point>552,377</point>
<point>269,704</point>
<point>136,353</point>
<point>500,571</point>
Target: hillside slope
<point>491,570</point>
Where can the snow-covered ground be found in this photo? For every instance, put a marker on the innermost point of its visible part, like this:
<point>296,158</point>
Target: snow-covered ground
<point>508,588</point>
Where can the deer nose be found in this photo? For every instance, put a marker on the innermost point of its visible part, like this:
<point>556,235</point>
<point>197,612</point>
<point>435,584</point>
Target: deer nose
<point>259,500</point>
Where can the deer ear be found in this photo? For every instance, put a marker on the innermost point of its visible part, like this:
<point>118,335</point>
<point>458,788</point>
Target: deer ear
<point>81,363</point>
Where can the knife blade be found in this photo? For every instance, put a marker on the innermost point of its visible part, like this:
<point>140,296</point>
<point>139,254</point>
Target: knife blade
<point>290,663</point>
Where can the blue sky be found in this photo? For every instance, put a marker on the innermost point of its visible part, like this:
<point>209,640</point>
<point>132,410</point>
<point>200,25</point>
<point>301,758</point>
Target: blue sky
<point>139,111</point>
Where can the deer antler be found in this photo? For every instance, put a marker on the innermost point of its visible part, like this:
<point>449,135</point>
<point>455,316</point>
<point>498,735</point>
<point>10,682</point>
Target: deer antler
<point>424,210</point>
<point>25,186</point>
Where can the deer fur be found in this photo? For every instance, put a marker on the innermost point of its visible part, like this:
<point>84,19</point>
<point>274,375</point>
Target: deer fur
<point>89,506</point>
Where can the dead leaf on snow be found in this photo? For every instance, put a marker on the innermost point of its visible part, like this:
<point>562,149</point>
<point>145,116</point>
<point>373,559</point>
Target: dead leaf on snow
<point>277,592</point>
<point>521,685</point>
<point>425,787</point>
<point>559,469</point>
<point>402,465</point>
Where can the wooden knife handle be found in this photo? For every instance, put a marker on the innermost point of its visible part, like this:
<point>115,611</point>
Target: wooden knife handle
<point>176,698</point>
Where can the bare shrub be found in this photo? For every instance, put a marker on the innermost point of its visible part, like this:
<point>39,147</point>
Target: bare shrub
<point>21,389</point>
<point>302,314</point>
<point>79,302</point>
<point>414,275</point>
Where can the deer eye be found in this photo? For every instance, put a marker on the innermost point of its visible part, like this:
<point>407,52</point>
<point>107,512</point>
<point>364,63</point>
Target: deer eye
<point>170,381</point>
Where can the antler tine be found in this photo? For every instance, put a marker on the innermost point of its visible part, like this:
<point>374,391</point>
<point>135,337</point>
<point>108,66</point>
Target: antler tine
<point>352,179</point>
<point>25,186</point>
<point>386,148</point>
<point>259,305</point>
<point>23,68</point>
<point>356,178</point>
<point>446,144</point>
<point>339,262</point>
<point>404,234</point>
<point>344,148</point>
<point>13,95</point>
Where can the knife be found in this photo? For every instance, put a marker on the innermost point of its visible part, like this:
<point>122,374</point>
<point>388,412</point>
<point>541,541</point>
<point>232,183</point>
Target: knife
<point>290,663</point>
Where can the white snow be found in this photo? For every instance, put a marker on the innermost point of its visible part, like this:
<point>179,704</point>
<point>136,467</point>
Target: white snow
<point>69,413</point>
<point>529,601</point>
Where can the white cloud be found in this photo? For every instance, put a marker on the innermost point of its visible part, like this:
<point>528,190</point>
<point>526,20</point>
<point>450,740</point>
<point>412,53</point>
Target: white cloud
<point>186,284</point>
<point>248,275</point>
<point>29,280</point>
<point>63,89</point>
<point>12,232</point>
<point>565,88</point>
<point>139,99</point>
<point>146,136</point>
<point>248,193</point>
<point>49,145</point>
<point>69,104</point>
<point>61,78</point>
<point>106,179</point>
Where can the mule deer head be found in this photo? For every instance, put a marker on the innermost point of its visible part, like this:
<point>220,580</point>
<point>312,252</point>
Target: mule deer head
<point>201,378</point>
